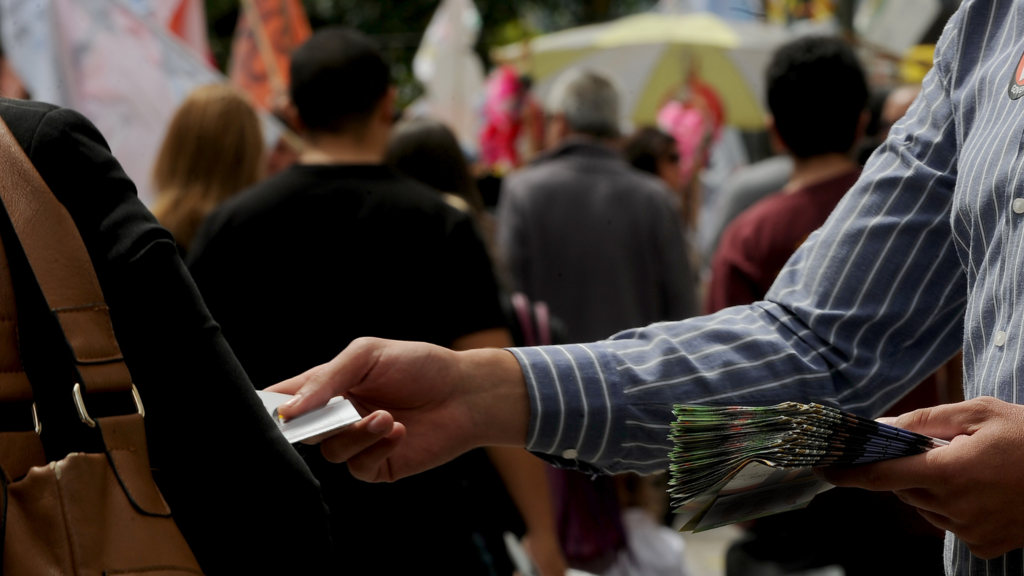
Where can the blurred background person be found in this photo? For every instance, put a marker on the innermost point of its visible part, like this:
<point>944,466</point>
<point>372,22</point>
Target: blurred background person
<point>582,230</point>
<point>817,95</point>
<point>653,151</point>
<point>886,107</point>
<point>819,132</point>
<point>213,150</point>
<point>652,549</point>
<point>693,114</point>
<point>426,150</point>
<point>602,244</point>
<point>874,134</point>
<point>384,256</point>
<point>741,190</point>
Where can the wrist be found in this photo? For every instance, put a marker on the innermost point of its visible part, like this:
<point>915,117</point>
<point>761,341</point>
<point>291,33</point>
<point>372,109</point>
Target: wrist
<point>496,395</point>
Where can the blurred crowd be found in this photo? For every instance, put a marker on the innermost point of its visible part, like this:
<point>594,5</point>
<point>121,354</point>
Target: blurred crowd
<point>564,227</point>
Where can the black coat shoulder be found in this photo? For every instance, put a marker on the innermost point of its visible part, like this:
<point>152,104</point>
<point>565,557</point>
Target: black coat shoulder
<point>214,475</point>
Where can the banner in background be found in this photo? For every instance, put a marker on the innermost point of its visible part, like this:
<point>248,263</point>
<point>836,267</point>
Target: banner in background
<point>267,33</point>
<point>185,18</point>
<point>451,72</point>
<point>114,62</point>
<point>894,27</point>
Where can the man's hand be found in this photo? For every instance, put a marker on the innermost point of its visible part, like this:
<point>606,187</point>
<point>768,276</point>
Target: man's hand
<point>422,404</point>
<point>973,488</point>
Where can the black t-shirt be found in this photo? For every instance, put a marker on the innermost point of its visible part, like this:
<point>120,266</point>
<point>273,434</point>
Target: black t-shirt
<point>301,264</point>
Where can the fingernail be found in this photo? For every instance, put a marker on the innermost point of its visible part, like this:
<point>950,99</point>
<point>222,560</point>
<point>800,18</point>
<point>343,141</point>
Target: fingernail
<point>886,420</point>
<point>293,401</point>
<point>377,424</point>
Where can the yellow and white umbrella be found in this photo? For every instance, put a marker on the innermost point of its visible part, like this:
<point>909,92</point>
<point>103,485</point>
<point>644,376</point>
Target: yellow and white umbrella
<point>650,55</point>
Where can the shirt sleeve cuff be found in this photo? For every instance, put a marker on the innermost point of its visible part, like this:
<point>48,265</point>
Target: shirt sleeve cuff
<point>575,400</point>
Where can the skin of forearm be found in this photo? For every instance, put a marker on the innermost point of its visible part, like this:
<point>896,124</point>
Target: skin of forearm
<point>495,397</point>
<point>494,387</point>
<point>498,372</point>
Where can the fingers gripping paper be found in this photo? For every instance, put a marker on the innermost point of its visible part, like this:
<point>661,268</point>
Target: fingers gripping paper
<point>338,413</point>
<point>736,463</point>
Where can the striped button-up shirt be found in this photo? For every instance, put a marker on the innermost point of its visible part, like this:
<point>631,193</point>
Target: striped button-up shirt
<point>922,256</point>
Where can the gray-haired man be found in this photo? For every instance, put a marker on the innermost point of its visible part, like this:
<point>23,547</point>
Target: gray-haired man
<point>600,242</point>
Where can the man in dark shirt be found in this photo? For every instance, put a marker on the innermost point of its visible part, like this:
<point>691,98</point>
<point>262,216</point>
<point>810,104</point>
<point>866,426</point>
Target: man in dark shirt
<point>339,247</point>
<point>816,93</point>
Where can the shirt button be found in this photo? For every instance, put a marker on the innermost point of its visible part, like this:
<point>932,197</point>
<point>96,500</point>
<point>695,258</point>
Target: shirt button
<point>1018,205</point>
<point>570,454</point>
<point>1000,338</point>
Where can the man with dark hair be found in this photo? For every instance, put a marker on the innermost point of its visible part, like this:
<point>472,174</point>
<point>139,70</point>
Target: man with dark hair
<point>337,247</point>
<point>337,81</point>
<point>816,94</point>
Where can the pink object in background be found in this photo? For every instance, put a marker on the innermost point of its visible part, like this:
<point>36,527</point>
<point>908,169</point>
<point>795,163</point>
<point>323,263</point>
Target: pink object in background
<point>502,119</point>
<point>509,111</point>
<point>691,130</point>
<point>695,124</point>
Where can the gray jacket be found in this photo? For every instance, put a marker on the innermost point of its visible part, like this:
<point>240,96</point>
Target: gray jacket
<point>597,240</point>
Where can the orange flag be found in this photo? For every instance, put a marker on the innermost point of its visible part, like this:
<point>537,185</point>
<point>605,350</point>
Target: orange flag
<point>187,20</point>
<point>267,33</point>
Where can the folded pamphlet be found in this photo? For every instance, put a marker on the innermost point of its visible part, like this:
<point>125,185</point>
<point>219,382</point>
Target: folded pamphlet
<point>736,463</point>
<point>338,413</point>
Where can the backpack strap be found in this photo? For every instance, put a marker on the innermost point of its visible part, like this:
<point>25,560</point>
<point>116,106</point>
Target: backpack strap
<point>20,447</point>
<point>65,274</point>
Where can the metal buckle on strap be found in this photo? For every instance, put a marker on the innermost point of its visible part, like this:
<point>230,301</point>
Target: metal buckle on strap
<point>84,415</point>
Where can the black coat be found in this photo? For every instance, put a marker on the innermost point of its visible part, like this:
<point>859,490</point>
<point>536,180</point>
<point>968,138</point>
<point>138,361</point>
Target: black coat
<point>244,500</point>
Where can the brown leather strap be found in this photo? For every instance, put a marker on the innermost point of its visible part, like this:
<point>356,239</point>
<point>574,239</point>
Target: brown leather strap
<point>19,449</point>
<point>62,267</point>
<point>14,384</point>
<point>130,460</point>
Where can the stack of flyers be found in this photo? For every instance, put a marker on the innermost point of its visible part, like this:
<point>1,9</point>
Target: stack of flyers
<point>736,463</point>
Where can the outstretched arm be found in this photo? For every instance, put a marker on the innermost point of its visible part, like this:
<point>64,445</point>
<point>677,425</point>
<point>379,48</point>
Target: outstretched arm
<point>445,403</point>
<point>524,476</point>
<point>868,306</point>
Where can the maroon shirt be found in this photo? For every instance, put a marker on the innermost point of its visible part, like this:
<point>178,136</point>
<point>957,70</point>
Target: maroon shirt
<point>759,242</point>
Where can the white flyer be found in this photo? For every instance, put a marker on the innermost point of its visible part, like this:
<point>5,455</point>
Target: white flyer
<point>338,413</point>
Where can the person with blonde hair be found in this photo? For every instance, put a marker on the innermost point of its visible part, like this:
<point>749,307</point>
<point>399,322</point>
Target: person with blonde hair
<point>213,149</point>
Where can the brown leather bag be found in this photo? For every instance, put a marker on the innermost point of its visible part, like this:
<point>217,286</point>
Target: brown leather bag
<point>94,514</point>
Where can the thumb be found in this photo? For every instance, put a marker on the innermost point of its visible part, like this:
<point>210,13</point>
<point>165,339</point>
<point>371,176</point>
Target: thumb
<point>319,385</point>
<point>946,421</point>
